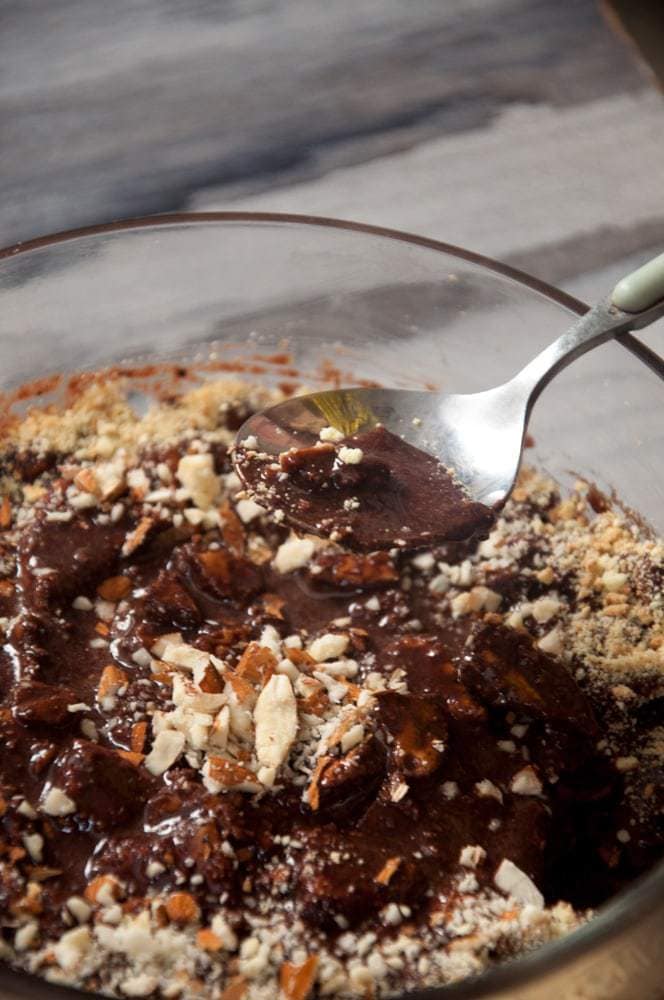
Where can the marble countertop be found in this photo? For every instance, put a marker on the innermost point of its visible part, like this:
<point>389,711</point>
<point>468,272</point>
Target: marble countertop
<point>519,128</point>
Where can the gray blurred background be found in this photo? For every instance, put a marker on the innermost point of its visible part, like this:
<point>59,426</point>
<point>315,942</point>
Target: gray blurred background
<point>530,130</point>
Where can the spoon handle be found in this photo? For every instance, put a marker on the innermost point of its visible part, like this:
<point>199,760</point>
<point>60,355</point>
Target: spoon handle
<point>642,288</point>
<point>636,302</point>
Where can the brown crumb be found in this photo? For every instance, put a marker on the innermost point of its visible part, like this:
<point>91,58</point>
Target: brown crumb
<point>387,871</point>
<point>114,588</point>
<point>182,908</point>
<point>5,513</point>
<point>297,981</point>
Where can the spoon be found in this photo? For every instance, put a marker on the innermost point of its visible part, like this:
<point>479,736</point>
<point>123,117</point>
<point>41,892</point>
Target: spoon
<point>452,455</point>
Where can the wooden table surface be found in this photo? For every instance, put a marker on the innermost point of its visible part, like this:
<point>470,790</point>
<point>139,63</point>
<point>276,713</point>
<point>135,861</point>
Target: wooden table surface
<point>520,128</point>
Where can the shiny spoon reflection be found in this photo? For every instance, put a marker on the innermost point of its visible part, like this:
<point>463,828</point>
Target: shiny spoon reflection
<point>433,467</point>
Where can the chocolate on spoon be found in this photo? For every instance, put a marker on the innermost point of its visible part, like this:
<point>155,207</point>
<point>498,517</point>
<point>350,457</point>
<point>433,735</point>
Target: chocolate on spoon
<point>383,467</point>
<point>371,490</point>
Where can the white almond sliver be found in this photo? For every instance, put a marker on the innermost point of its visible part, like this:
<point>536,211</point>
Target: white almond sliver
<point>182,655</point>
<point>511,880</point>
<point>340,668</point>
<point>526,782</point>
<point>352,738</point>
<point>331,434</point>
<point>271,640</point>
<point>166,749</point>
<point>70,950</point>
<point>197,475</point>
<point>350,456</point>
<point>328,647</point>
<point>218,736</point>
<point>56,803</point>
<point>111,479</point>
<point>275,718</point>
<point>247,510</point>
<point>293,554</point>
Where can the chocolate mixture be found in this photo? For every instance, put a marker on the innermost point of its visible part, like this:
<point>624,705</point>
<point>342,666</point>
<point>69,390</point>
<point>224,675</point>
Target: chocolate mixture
<point>236,760</point>
<point>371,490</point>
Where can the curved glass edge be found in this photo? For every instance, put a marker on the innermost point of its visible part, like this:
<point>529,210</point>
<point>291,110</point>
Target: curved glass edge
<point>197,218</point>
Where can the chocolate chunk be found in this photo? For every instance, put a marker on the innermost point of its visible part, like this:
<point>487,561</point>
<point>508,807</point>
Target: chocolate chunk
<point>354,570</point>
<point>43,704</point>
<point>651,713</point>
<point>77,553</point>
<point>348,783</point>
<point>310,467</point>
<point>341,879</point>
<point>106,789</point>
<point>503,668</point>
<point>431,671</point>
<point>218,573</point>
<point>168,603</point>
<point>415,732</point>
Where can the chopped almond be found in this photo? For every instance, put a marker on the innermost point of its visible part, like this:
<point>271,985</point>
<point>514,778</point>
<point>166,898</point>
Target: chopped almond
<point>232,530</point>
<point>132,756</point>
<point>5,513</point>
<point>352,689</point>
<point>182,908</point>
<point>242,689</point>
<point>229,774</point>
<point>211,682</point>
<point>259,551</point>
<point>86,481</point>
<point>387,871</point>
<point>31,902</point>
<point>217,565</point>
<point>163,674</point>
<point>208,940</point>
<point>275,720</point>
<point>114,588</point>
<point>343,726</point>
<point>316,703</point>
<point>137,536</point>
<point>41,873</point>
<point>299,657</point>
<point>6,588</point>
<point>103,889</point>
<point>296,981</point>
<point>139,732</point>
<point>111,480</point>
<point>273,605</point>
<point>111,681</point>
<point>257,664</point>
<point>353,569</point>
<point>197,475</point>
<point>236,989</point>
<point>204,841</point>
<point>313,791</point>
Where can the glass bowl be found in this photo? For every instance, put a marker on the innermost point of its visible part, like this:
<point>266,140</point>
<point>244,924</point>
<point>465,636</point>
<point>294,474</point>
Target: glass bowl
<point>289,298</point>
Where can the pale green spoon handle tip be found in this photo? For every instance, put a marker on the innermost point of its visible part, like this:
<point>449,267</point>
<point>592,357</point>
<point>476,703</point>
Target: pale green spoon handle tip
<point>642,288</point>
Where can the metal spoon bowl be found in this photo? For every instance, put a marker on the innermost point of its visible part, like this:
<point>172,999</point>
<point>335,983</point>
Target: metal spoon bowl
<point>479,437</point>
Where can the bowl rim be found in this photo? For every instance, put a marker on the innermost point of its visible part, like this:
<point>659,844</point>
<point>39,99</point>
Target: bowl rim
<point>196,218</point>
<point>630,905</point>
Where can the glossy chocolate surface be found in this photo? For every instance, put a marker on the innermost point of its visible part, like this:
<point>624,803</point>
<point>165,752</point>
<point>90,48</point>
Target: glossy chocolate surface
<point>481,706</point>
<point>371,490</point>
